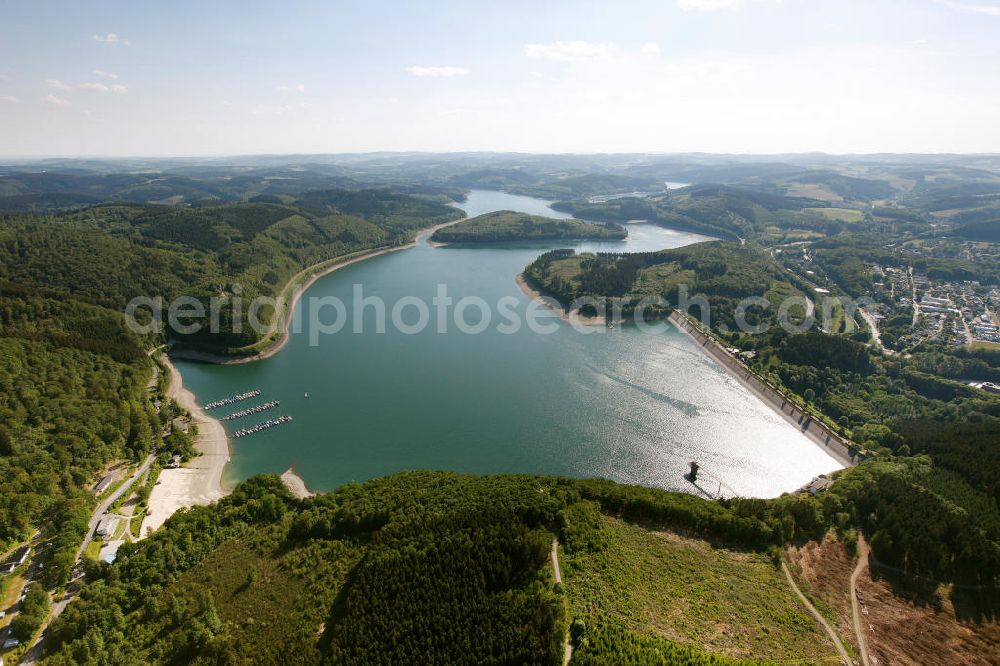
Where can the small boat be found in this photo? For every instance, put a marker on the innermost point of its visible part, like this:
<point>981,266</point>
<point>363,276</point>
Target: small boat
<point>307,394</point>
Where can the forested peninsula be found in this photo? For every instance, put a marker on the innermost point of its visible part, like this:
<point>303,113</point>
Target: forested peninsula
<point>505,225</point>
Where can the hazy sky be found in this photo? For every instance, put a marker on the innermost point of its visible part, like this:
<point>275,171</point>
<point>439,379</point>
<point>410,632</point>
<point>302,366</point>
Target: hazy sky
<point>213,77</point>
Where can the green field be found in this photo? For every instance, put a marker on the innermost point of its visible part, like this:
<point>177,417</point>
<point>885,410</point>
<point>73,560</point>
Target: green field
<point>94,548</point>
<point>660,585</point>
<point>850,215</point>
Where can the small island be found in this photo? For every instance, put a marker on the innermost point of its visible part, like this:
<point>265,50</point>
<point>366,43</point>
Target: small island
<point>506,225</point>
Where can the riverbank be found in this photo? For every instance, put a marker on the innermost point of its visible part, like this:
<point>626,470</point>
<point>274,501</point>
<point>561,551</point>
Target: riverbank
<point>572,318</point>
<point>201,480</point>
<point>314,273</point>
<point>839,449</point>
<point>295,484</point>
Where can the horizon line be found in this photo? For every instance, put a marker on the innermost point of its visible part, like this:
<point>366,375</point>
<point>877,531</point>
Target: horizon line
<point>191,156</point>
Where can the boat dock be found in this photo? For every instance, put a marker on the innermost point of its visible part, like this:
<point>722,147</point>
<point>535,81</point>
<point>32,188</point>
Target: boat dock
<point>252,410</point>
<point>264,425</point>
<point>231,399</point>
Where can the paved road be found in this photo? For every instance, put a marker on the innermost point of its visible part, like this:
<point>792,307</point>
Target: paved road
<point>873,325</point>
<point>35,653</point>
<point>855,610</point>
<point>102,508</point>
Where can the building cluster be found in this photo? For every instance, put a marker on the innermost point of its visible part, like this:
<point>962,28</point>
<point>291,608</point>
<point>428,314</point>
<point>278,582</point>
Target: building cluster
<point>959,313</point>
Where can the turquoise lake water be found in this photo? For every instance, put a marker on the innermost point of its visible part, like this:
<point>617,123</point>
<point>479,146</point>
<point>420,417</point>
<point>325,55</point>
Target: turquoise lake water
<point>620,404</point>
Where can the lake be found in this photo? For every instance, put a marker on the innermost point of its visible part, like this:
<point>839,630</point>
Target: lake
<point>621,404</point>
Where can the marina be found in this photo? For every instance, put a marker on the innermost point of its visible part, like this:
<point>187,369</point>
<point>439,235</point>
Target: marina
<point>239,397</point>
<point>263,425</point>
<point>256,409</point>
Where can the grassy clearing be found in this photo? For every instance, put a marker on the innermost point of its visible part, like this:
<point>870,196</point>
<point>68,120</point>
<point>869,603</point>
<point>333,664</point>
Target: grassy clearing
<point>94,548</point>
<point>812,191</point>
<point>849,215</point>
<point>569,269</point>
<point>661,278</point>
<point>10,588</point>
<point>659,585</point>
<point>135,525</point>
<point>983,344</point>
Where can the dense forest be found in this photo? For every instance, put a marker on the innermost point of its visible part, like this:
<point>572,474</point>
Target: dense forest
<point>507,225</point>
<point>76,379</point>
<point>720,211</point>
<point>441,567</point>
<point>231,253</point>
<point>723,273</point>
<point>427,567</point>
<point>74,398</point>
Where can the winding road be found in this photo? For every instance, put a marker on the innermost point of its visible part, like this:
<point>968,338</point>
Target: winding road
<point>35,652</point>
<point>855,606</point>
<point>567,646</point>
<point>819,618</point>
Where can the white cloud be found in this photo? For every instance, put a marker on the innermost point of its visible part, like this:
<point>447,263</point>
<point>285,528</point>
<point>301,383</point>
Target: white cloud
<point>107,75</point>
<point>717,5</point>
<point>115,88</point>
<point>109,38</point>
<point>570,51</point>
<point>9,98</point>
<point>651,49</point>
<point>57,84</point>
<point>707,5</point>
<point>442,71</point>
<point>708,69</point>
<point>300,88</point>
<point>990,9</point>
<point>55,101</point>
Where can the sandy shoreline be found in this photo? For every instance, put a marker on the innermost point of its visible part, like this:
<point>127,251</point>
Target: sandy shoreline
<point>200,481</point>
<point>295,484</point>
<point>572,318</point>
